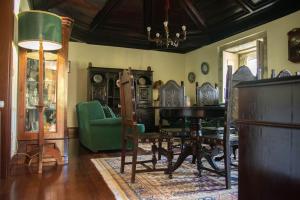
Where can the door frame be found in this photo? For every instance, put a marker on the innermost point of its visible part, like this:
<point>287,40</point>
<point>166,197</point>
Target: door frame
<point>236,43</point>
<point>6,38</point>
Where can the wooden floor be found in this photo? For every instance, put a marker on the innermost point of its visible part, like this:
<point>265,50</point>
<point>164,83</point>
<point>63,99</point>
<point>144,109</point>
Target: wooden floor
<point>77,180</point>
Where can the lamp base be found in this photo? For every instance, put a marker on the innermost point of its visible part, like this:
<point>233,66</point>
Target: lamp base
<point>49,150</point>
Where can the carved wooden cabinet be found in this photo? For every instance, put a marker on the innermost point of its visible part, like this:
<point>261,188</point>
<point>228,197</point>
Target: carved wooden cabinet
<point>102,87</point>
<point>269,139</point>
<point>55,98</point>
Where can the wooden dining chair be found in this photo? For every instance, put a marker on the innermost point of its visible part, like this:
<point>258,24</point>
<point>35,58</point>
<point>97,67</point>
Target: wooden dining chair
<point>218,140</point>
<point>225,138</point>
<point>284,73</point>
<point>172,95</point>
<point>132,132</point>
<point>206,94</point>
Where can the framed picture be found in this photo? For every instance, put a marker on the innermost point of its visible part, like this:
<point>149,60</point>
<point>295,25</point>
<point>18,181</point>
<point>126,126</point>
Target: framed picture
<point>294,45</point>
<point>204,68</point>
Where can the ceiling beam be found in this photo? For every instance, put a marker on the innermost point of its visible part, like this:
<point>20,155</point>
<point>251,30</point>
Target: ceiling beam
<point>44,5</point>
<point>103,13</point>
<point>193,13</point>
<point>262,8</point>
<point>245,5</point>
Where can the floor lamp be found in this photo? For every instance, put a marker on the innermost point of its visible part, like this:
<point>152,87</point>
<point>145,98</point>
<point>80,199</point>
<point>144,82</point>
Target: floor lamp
<point>39,30</point>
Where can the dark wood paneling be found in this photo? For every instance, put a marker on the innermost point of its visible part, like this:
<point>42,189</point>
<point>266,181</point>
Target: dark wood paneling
<point>123,23</point>
<point>6,35</point>
<point>269,139</point>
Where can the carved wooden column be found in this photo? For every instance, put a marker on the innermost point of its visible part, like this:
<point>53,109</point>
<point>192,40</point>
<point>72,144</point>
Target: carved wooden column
<point>67,24</point>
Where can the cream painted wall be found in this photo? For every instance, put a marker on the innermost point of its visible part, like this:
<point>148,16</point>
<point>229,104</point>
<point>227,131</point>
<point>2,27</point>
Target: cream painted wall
<point>166,66</point>
<point>170,65</point>
<point>277,48</point>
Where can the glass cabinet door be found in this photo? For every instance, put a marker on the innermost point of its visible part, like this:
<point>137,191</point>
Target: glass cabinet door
<point>32,96</point>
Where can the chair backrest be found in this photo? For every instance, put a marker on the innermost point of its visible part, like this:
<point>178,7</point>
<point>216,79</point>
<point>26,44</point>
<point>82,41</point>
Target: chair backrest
<point>284,73</point>
<point>127,98</point>
<point>228,119</point>
<point>241,74</point>
<point>171,94</point>
<point>108,112</point>
<point>206,94</point>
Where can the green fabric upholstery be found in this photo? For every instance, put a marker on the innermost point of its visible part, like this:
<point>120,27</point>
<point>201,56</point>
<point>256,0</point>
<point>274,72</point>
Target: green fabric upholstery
<point>141,128</point>
<point>108,112</point>
<point>96,131</point>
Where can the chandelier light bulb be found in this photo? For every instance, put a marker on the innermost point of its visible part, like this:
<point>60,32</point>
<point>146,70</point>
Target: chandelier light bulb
<point>166,39</point>
<point>165,23</point>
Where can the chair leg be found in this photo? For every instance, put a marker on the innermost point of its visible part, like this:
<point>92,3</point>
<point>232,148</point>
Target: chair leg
<point>200,155</point>
<point>134,159</point>
<point>170,157</point>
<point>159,147</point>
<point>234,148</point>
<point>194,159</point>
<point>154,150</point>
<point>227,168</point>
<point>123,153</point>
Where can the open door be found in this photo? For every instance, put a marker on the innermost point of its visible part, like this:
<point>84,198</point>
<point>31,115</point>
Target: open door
<point>261,54</point>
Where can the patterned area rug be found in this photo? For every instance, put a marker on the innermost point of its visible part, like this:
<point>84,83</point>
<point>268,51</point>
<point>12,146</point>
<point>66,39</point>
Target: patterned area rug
<point>185,183</point>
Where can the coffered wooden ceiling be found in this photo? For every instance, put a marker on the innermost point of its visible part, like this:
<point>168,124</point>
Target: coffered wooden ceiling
<point>123,22</point>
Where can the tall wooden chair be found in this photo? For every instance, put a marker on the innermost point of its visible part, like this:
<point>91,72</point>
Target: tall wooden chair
<point>134,132</point>
<point>206,94</point>
<point>217,140</point>
<point>172,95</point>
<point>284,73</point>
<point>223,137</point>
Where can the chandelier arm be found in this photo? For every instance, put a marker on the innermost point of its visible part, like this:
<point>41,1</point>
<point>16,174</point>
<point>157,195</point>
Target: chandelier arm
<point>165,39</point>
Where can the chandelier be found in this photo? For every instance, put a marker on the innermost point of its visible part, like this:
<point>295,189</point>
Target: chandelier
<point>166,40</point>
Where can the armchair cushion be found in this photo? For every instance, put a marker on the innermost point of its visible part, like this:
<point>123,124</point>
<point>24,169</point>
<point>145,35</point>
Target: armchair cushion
<point>108,112</point>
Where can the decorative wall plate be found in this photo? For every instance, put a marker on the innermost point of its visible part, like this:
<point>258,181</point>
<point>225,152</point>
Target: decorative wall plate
<point>191,77</point>
<point>204,68</point>
<point>97,78</point>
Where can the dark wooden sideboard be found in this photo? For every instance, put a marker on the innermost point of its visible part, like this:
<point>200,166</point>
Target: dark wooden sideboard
<point>102,86</point>
<point>269,139</point>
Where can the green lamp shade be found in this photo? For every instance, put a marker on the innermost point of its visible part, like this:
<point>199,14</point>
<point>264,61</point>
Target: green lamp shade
<point>39,26</point>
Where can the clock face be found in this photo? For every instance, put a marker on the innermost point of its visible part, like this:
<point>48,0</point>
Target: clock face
<point>191,77</point>
<point>97,78</point>
<point>142,81</point>
<point>204,68</point>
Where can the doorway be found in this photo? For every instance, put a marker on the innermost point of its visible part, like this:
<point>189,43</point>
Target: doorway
<point>250,52</point>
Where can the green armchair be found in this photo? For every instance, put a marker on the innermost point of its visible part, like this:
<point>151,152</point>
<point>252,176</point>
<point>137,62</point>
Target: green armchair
<point>99,128</point>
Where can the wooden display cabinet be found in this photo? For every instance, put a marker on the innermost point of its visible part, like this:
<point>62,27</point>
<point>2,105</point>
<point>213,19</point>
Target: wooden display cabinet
<point>55,98</point>
<point>102,87</point>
